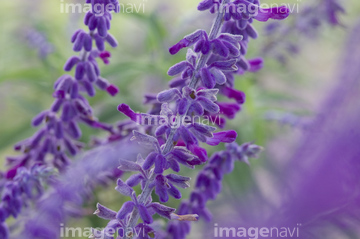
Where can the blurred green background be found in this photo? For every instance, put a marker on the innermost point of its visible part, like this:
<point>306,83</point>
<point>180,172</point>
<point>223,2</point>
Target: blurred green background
<point>139,65</point>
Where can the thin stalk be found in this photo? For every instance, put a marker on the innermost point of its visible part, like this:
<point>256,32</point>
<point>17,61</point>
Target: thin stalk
<point>215,29</point>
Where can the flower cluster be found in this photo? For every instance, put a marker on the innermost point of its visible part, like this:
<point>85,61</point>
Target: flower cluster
<point>97,167</point>
<point>307,23</point>
<point>222,56</point>
<point>57,136</point>
<point>60,131</point>
<point>152,178</point>
<point>211,61</point>
<point>27,184</point>
<point>38,41</point>
<point>208,185</point>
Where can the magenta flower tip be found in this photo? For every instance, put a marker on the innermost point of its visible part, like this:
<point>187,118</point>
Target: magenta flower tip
<point>112,90</point>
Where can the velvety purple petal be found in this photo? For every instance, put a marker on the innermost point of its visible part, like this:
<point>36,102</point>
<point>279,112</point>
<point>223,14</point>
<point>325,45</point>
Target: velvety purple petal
<point>224,137</point>
<point>71,62</point>
<point>168,95</point>
<point>207,78</point>
<point>126,208</point>
<point>104,212</point>
<point>134,179</point>
<point>123,188</point>
<point>208,105</point>
<point>144,214</point>
<point>178,68</point>
<point>149,161</point>
<point>160,164</point>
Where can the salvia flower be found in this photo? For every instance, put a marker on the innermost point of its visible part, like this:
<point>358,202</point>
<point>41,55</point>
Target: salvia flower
<point>38,41</point>
<point>59,131</point>
<point>210,63</point>
<point>26,185</point>
<point>208,185</point>
<point>59,126</point>
<point>74,187</point>
<point>306,23</point>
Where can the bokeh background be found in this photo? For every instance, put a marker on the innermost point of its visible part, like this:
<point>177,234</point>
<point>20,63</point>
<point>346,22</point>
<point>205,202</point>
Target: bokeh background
<point>282,99</point>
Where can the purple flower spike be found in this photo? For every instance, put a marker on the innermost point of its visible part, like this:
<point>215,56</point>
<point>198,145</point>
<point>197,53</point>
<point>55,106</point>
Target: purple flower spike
<point>56,140</point>
<point>211,62</point>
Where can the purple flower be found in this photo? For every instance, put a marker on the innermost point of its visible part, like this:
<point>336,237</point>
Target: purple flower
<point>4,231</point>
<point>229,109</point>
<point>208,184</point>
<point>277,13</point>
<point>332,9</point>
<point>104,212</point>
<point>26,184</point>
<point>209,68</point>
<point>225,137</point>
<point>231,93</point>
<point>38,41</point>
